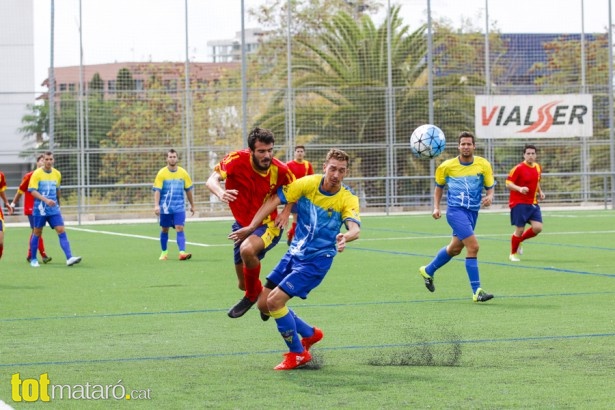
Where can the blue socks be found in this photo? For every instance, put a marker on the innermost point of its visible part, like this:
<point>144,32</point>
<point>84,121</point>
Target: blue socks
<point>441,259</point>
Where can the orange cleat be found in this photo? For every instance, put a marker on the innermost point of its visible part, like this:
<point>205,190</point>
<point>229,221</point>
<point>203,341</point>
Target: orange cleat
<point>293,360</point>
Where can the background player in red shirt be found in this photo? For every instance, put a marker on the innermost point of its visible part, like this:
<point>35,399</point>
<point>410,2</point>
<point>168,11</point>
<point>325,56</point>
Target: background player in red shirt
<point>524,184</point>
<point>28,204</point>
<point>300,168</point>
<point>251,176</point>
<point>8,206</point>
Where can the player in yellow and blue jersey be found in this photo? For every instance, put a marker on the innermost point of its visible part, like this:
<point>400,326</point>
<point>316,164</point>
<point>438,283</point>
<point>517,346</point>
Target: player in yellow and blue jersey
<point>324,204</point>
<point>465,176</point>
<point>45,188</point>
<point>169,186</point>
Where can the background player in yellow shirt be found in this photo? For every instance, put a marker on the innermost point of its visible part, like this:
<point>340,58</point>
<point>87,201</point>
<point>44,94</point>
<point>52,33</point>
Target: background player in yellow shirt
<point>169,186</point>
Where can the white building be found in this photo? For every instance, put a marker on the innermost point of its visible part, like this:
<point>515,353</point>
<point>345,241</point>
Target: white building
<point>16,83</point>
<point>227,51</point>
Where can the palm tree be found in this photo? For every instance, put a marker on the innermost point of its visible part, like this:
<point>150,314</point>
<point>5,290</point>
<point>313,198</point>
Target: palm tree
<point>340,78</point>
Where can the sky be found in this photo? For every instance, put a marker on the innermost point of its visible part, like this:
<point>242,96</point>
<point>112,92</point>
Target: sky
<point>154,30</point>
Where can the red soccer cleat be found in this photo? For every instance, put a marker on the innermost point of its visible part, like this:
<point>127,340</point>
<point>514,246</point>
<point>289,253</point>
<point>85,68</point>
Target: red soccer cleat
<point>307,342</point>
<point>293,360</point>
<point>184,256</point>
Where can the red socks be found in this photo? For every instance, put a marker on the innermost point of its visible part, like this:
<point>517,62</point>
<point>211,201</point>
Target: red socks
<point>515,241</point>
<point>253,283</point>
<point>529,233</point>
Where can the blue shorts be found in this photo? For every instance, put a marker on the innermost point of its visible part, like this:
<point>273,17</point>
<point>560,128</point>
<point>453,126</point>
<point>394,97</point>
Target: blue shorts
<point>173,220</point>
<point>270,235</point>
<point>39,221</point>
<point>31,220</point>
<point>297,277</point>
<point>523,213</point>
<point>463,221</point>
<point>1,225</point>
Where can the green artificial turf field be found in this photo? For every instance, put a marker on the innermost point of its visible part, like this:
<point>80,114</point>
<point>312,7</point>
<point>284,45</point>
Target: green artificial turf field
<point>123,322</point>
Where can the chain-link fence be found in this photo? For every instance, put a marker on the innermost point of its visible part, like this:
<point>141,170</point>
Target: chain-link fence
<point>339,75</point>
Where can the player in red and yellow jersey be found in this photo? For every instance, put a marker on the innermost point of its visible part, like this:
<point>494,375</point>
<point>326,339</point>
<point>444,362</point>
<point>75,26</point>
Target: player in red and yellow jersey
<point>28,205</point>
<point>300,168</point>
<point>8,206</point>
<point>251,176</point>
<point>524,184</point>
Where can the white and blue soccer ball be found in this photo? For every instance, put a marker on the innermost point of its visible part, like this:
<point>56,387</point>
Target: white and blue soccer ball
<point>427,141</point>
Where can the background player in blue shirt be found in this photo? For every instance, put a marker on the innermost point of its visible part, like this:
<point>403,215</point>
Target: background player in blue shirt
<point>45,188</point>
<point>465,176</point>
<point>169,186</point>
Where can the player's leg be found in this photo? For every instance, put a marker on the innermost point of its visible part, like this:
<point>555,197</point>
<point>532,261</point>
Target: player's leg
<point>304,278</point>
<point>166,222</point>
<point>535,221</point>
<point>37,230</point>
<point>31,221</point>
<point>249,250</point>
<point>57,223</point>
<point>518,219</point>
<point>445,254</point>
<point>179,220</point>
<point>252,250</point>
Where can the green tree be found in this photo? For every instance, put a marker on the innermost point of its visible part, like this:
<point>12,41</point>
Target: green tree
<point>340,79</point>
<point>96,86</point>
<point>35,125</point>
<point>124,84</point>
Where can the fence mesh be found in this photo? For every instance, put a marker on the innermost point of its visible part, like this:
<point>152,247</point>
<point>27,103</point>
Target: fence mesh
<point>119,103</point>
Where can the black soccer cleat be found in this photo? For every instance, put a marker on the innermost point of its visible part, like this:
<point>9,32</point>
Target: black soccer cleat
<point>481,296</point>
<point>240,308</point>
<point>428,279</point>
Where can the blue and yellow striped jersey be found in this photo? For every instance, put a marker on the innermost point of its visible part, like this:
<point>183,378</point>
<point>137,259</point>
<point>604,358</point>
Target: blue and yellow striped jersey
<point>172,185</point>
<point>465,181</point>
<point>320,215</point>
<point>47,184</point>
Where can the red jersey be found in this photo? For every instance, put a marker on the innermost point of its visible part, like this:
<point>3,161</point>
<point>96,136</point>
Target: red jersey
<point>28,199</point>
<point>300,169</point>
<point>2,189</point>
<point>254,186</point>
<point>527,175</point>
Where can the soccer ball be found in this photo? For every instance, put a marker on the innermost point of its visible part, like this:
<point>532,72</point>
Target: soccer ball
<point>427,141</point>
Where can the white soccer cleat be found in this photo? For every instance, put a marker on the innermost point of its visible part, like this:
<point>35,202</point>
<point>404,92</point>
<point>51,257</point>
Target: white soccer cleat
<point>513,258</point>
<point>34,263</point>
<point>73,260</point>
<point>520,250</point>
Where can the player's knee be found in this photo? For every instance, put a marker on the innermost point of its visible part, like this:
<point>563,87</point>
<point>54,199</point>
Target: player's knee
<point>537,229</point>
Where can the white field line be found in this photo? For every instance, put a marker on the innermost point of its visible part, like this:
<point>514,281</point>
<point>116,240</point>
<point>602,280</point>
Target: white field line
<point>153,238</point>
<point>495,235</point>
<point>128,235</point>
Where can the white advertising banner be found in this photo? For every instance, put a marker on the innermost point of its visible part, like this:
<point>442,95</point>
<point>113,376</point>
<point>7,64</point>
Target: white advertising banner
<point>533,116</point>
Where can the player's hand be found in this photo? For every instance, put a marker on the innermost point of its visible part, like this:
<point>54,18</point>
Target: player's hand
<point>341,242</point>
<point>524,190</point>
<point>487,201</point>
<point>229,195</point>
<point>50,202</point>
<point>436,214</point>
<point>191,210</point>
<point>11,208</point>
<point>157,210</point>
<point>240,234</point>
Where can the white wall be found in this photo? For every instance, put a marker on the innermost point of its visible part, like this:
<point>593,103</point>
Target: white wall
<point>16,75</point>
